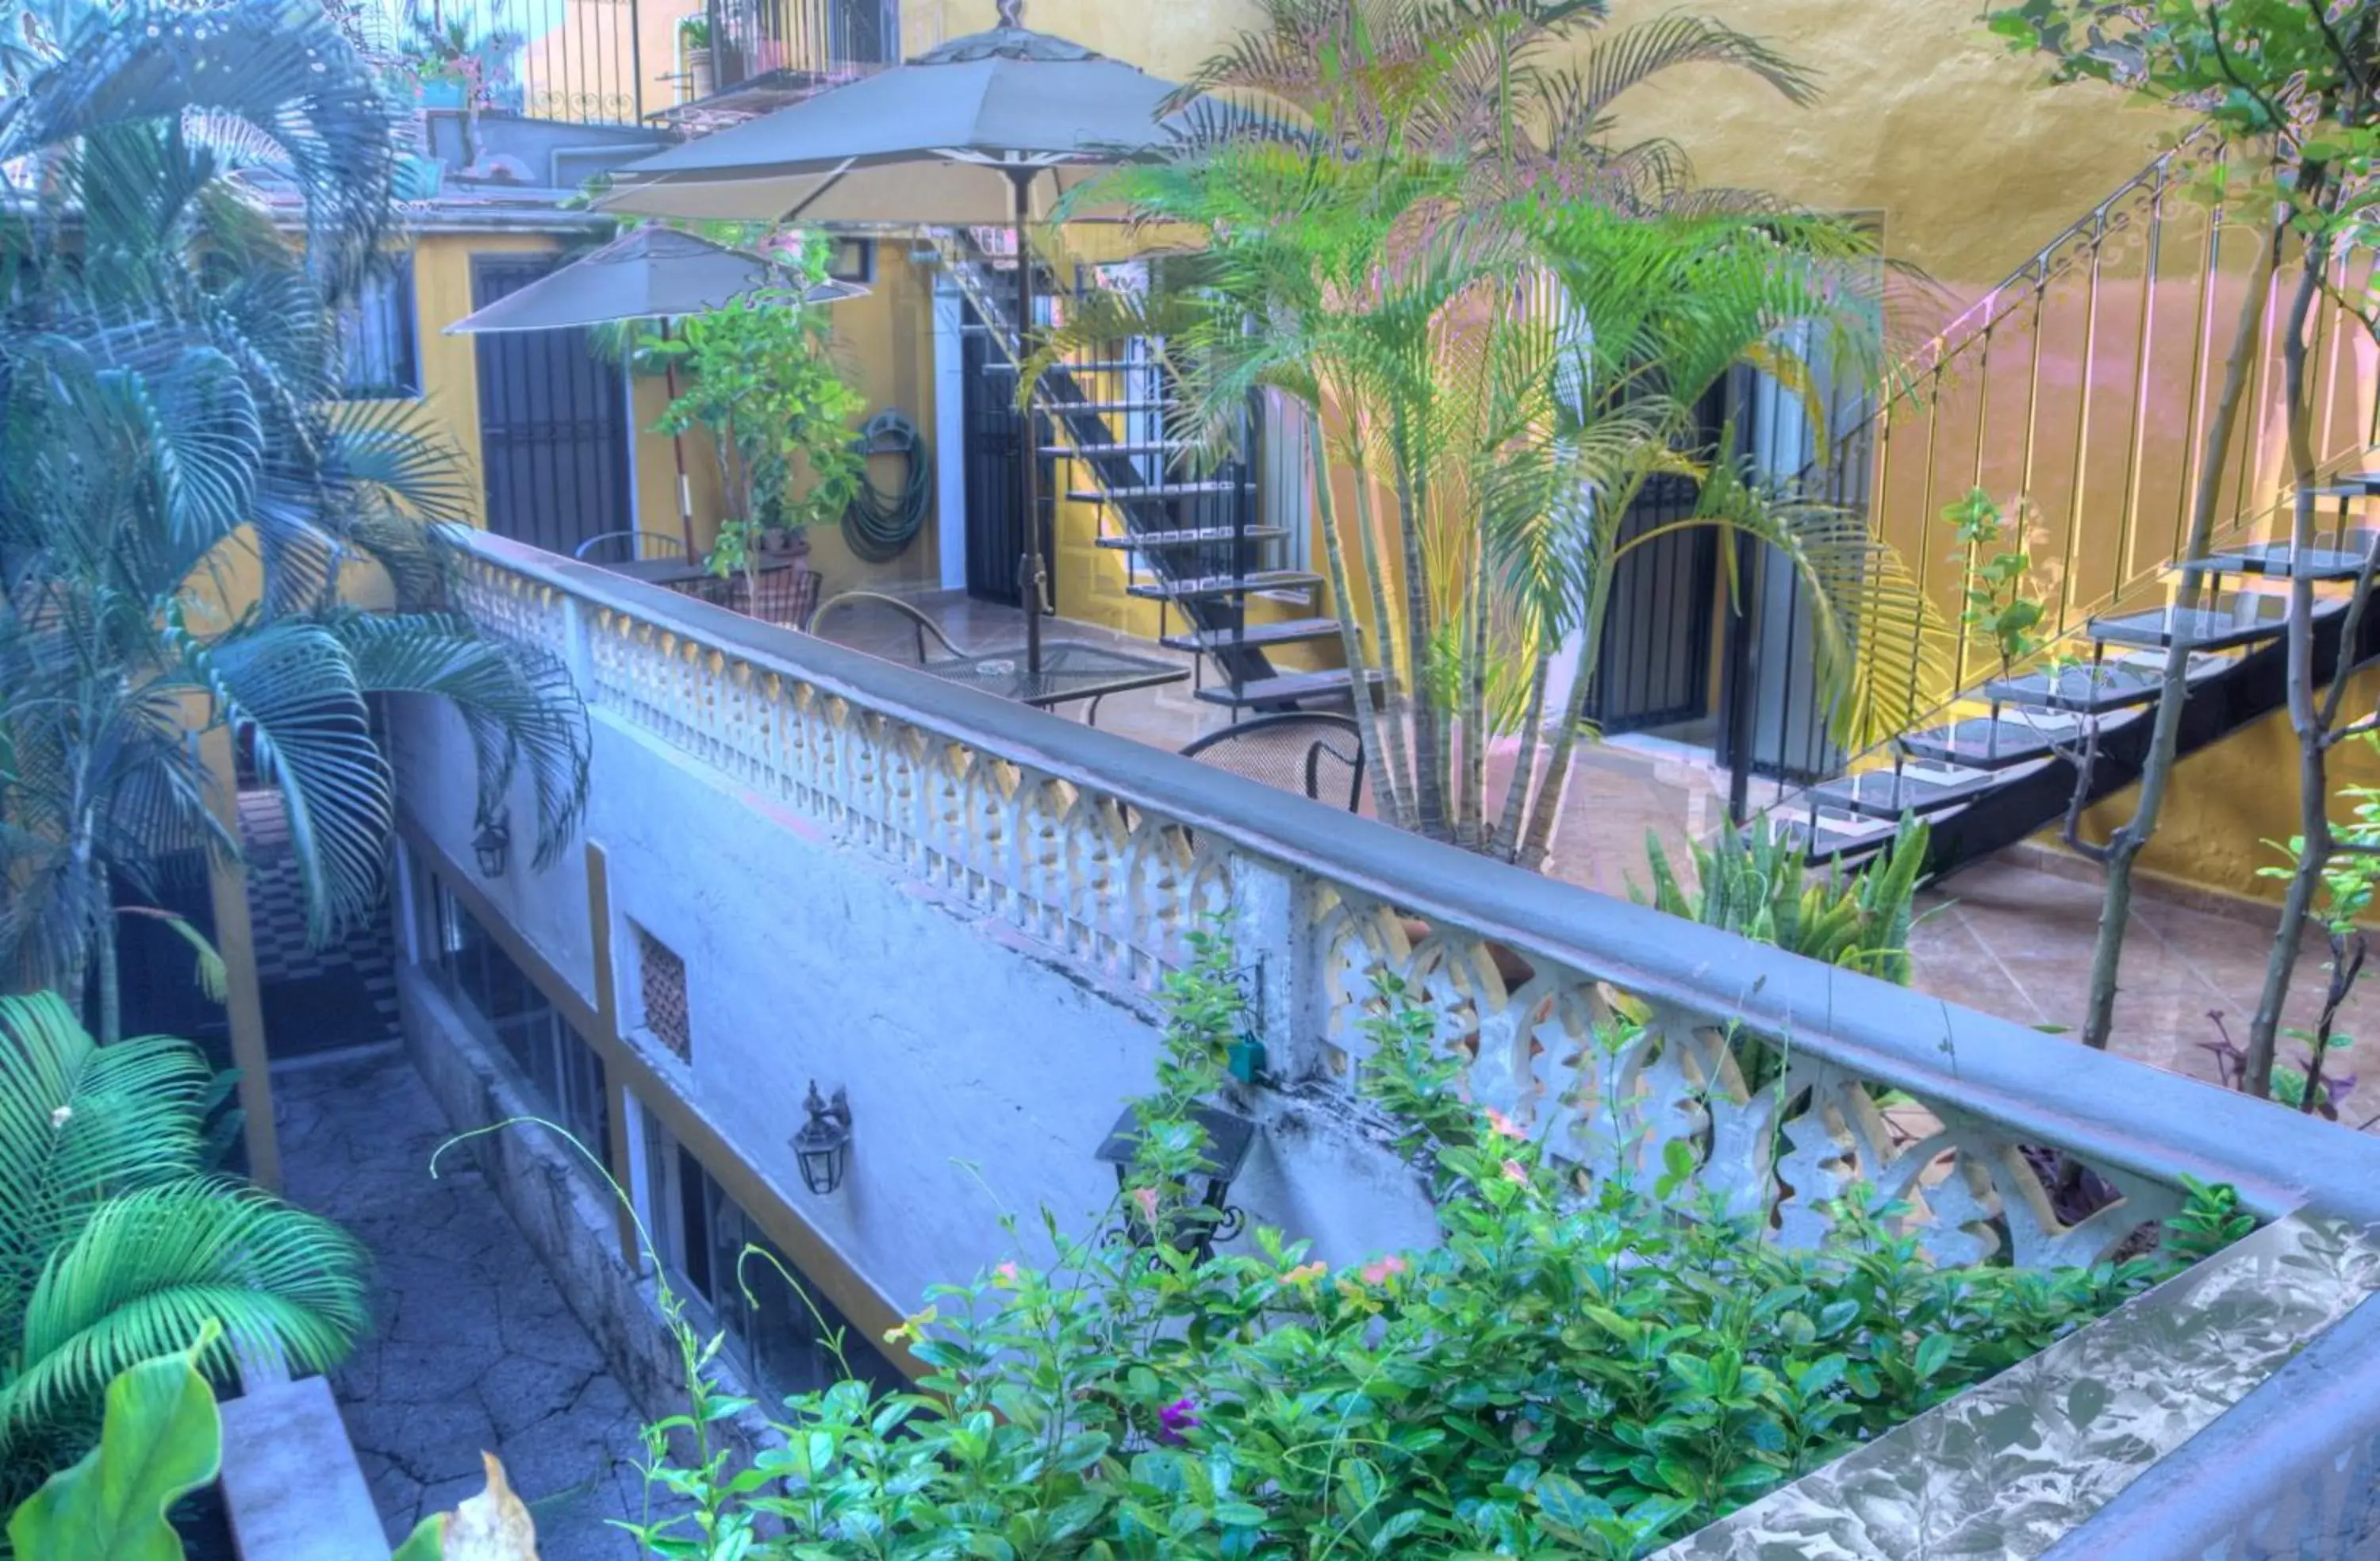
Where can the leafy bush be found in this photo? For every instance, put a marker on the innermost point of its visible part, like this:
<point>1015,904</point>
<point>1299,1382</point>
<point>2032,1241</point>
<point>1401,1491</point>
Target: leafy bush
<point>1564,1373</point>
<point>1754,881</point>
<point>161,1440</point>
<point>116,1246</point>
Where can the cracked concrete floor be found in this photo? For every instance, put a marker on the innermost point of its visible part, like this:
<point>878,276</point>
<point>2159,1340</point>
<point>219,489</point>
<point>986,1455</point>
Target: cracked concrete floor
<point>472,1345</point>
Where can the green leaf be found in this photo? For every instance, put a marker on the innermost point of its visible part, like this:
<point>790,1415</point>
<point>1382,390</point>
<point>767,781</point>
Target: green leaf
<point>161,1439</point>
<point>427,1542</point>
<point>1933,1354</point>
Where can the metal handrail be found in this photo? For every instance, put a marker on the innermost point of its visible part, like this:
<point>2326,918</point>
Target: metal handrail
<point>2101,358</point>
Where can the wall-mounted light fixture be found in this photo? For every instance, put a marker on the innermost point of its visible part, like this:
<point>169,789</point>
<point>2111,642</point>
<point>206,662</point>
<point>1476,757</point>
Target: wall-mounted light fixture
<point>1229,1139</point>
<point>493,844</point>
<point>824,1146</point>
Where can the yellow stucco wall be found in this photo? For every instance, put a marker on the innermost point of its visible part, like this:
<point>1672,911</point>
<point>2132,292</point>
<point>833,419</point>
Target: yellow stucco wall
<point>884,339</point>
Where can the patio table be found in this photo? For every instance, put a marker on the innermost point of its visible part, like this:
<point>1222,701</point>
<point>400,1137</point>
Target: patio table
<point>1071,669</point>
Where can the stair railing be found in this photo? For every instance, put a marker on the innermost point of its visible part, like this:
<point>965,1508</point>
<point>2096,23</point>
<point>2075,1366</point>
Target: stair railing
<point>2083,385</point>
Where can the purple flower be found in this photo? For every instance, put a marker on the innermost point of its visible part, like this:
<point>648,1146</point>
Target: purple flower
<point>1174,1419</point>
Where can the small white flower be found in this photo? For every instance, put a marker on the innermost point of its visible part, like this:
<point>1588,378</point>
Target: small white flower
<point>60,1117</point>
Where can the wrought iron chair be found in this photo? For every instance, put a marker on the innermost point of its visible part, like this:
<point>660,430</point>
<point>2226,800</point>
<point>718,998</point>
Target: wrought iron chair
<point>620,547</point>
<point>1306,751</point>
<point>921,628</point>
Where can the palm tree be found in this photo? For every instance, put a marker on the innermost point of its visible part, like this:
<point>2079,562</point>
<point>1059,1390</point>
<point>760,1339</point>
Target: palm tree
<point>1417,223</point>
<point>116,1246</point>
<point>170,422</point>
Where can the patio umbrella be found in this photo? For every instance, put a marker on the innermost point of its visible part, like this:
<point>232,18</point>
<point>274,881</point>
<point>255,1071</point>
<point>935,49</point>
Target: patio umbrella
<point>974,133</point>
<point>646,273</point>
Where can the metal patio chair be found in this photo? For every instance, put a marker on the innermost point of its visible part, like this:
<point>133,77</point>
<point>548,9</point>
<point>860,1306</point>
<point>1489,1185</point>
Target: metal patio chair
<point>620,547</point>
<point>1318,754</point>
<point>921,626</point>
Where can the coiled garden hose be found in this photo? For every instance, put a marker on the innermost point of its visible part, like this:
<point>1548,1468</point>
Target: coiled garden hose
<point>878,526</point>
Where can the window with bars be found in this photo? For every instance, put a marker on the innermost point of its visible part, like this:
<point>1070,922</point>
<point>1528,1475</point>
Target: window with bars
<point>661,983</point>
<point>378,358</point>
<point>780,1339</point>
<point>497,999</point>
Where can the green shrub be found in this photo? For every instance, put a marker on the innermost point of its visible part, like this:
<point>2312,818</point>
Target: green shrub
<point>1754,881</point>
<point>1565,1374</point>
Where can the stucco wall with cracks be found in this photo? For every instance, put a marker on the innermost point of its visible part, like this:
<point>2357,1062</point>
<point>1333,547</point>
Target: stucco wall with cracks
<point>983,1071</point>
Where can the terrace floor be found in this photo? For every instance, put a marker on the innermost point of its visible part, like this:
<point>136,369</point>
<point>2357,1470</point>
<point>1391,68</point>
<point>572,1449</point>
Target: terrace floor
<point>2010,938</point>
<point>472,1346</point>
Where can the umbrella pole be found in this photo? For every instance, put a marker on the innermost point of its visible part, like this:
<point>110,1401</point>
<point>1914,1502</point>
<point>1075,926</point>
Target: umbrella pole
<point>1034,571</point>
<point>677,453</point>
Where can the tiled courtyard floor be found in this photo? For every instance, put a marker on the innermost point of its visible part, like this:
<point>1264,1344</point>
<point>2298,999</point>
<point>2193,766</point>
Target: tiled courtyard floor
<point>473,1347</point>
<point>2005,937</point>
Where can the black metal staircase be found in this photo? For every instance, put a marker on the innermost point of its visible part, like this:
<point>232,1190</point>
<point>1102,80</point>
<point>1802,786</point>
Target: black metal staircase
<point>2005,761</point>
<point>1191,537</point>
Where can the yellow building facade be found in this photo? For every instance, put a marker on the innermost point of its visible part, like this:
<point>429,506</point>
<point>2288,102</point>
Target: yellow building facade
<point>1919,118</point>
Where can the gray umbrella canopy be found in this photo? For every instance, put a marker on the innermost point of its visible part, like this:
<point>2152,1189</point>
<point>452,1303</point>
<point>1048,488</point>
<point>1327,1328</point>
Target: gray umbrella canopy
<point>987,129</point>
<point>645,273</point>
<point>934,141</point>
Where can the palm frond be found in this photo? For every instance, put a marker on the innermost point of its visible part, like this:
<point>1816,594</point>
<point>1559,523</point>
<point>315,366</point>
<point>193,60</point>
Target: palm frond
<point>518,702</point>
<point>291,688</point>
<point>151,1270</point>
<point>79,1122</point>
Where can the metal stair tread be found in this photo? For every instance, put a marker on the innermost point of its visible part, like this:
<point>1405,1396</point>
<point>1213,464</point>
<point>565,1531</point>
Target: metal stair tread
<point>1191,536</point>
<point>2208,628</point>
<point>1117,366</point>
<point>1220,586</point>
<point>1155,491</point>
<point>1146,447</point>
<point>1254,636</point>
<point>2089,690</point>
<point>1982,743</point>
<point>1850,837</point>
<point>2277,558</point>
<point>1920,789</point>
<point>1285,687</point>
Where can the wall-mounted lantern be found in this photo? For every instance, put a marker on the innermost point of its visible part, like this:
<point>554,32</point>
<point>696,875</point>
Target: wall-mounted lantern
<point>824,1146</point>
<point>1229,1139</point>
<point>493,844</point>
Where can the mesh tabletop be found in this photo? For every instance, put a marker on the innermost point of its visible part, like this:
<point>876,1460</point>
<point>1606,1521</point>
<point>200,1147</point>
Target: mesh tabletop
<point>1070,670</point>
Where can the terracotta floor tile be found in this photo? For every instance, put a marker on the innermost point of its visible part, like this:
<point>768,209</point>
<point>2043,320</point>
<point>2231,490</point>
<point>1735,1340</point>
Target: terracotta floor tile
<point>2003,937</point>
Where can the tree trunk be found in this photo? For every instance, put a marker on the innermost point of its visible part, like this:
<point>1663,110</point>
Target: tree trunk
<point>1390,806</point>
<point>1471,809</point>
<point>2309,723</point>
<point>1537,842</point>
<point>2126,844</point>
<point>1430,771</point>
<point>1506,840</point>
<point>1393,699</point>
<point>107,976</point>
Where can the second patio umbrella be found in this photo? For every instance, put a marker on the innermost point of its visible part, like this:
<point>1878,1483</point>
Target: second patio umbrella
<point>646,273</point>
<point>970,133</point>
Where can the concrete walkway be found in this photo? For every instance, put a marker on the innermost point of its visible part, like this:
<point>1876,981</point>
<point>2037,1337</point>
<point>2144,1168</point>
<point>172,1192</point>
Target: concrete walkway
<point>473,1347</point>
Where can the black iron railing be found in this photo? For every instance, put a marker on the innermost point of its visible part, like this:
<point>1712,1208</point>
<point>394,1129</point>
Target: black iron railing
<point>2076,393</point>
<point>795,39</point>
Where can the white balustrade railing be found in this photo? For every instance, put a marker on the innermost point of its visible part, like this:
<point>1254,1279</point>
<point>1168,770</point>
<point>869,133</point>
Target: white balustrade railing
<point>1610,1030</point>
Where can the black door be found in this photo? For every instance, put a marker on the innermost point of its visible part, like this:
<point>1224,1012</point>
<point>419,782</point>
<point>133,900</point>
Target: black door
<point>995,442</point>
<point>1654,667</point>
<point>553,424</point>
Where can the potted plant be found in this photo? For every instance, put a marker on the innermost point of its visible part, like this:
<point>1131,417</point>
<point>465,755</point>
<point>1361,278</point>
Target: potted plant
<point>458,69</point>
<point>762,380</point>
<point>693,50</point>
